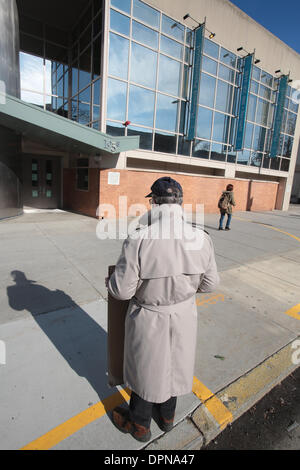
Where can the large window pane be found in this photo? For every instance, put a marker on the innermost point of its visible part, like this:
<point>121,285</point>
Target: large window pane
<point>228,57</point>
<point>224,97</point>
<point>172,28</point>
<point>218,152</point>
<point>119,23</point>
<point>171,47</point>
<point>259,138</point>
<point>141,106</point>
<point>124,5</point>
<point>143,66</point>
<point>146,14</point>
<point>169,79</point>
<point>84,113</point>
<point>118,56</point>
<point>256,73</point>
<point>166,113</point>
<point>251,108</point>
<point>209,65</point>
<point>287,146</point>
<point>243,157</point>
<point>207,90</point>
<point>226,73</point>
<point>211,49</point>
<point>32,72</point>
<point>221,127</point>
<point>262,112</point>
<point>204,123</point>
<point>265,92</point>
<point>201,149</point>
<point>145,136</point>
<point>248,135</point>
<point>266,78</point>
<point>144,34</point>
<point>291,123</point>
<point>116,99</point>
<point>164,142</point>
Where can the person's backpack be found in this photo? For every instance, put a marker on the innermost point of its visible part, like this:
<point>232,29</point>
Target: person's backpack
<point>223,203</point>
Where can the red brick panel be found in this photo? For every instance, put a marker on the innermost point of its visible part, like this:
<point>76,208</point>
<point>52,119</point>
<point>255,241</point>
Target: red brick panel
<point>83,202</point>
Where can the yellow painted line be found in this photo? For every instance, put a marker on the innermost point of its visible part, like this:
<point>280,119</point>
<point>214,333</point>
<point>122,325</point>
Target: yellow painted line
<point>69,427</point>
<point>269,226</point>
<point>294,312</point>
<point>210,299</point>
<point>215,406</point>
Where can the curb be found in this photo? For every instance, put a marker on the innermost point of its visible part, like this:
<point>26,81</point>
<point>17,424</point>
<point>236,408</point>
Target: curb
<point>199,428</point>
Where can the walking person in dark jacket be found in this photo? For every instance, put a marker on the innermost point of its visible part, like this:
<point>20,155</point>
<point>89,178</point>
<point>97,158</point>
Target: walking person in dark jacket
<point>225,205</point>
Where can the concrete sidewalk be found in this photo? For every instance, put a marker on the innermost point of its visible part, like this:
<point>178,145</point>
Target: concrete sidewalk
<point>53,324</point>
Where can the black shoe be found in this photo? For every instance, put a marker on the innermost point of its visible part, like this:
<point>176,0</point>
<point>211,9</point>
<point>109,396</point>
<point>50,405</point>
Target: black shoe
<point>122,421</point>
<point>166,425</point>
<point>220,228</point>
<point>227,228</point>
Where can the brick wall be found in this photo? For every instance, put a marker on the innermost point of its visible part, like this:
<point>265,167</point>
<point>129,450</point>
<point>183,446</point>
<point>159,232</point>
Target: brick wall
<point>255,196</point>
<point>83,202</point>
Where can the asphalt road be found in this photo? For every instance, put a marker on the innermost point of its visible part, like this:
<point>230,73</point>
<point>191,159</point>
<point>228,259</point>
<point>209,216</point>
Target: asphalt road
<point>272,424</point>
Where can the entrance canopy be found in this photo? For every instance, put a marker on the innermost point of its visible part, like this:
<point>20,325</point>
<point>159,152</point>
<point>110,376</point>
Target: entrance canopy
<point>58,132</point>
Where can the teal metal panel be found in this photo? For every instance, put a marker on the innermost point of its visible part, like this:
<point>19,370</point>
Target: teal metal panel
<point>242,114</point>
<point>57,131</point>
<point>283,84</point>
<point>198,50</point>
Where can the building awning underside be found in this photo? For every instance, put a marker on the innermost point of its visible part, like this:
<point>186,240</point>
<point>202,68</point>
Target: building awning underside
<point>58,132</point>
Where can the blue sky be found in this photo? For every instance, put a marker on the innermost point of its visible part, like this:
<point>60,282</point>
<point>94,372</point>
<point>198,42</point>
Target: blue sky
<point>278,16</point>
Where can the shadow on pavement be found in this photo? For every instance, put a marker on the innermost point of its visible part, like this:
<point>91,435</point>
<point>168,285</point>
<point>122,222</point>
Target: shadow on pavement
<point>77,337</point>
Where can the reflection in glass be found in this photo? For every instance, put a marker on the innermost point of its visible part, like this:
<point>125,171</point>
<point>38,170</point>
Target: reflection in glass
<point>254,87</point>
<point>170,27</point>
<point>141,106</point>
<point>204,123</point>
<point>97,57</point>
<point>243,157</point>
<point>291,123</point>
<point>124,5</point>
<point>262,112</point>
<point>118,56</point>
<point>256,73</point>
<point>32,98</point>
<point>166,113</point>
<point>248,135</point>
<point>231,156</point>
<point>74,110</point>
<point>83,113</point>
<point>275,163</point>
<point>259,138</point>
<point>184,146</point>
<point>256,159</point>
<point>85,75</point>
<point>264,92</point>
<point>201,149</point>
<point>287,146</point>
<point>211,49</point>
<point>285,164</point>
<point>170,47</point>
<point>116,99</point>
<point>31,72</point>
<point>114,129</point>
<point>119,23</point>
<point>228,57</point>
<point>169,79</point>
<point>164,142</point>
<point>207,90</point>
<point>145,13</point>
<point>209,65</point>
<point>145,136</point>
<point>266,162</point>
<point>144,34</point>
<point>266,78</point>
<point>226,73</point>
<point>143,60</point>
<point>221,127</point>
<point>96,92</point>
<point>218,152</point>
<point>224,97</point>
<point>74,81</point>
<point>251,108</point>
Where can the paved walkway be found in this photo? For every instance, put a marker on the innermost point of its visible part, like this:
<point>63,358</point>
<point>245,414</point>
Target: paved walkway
<point>53,308</point>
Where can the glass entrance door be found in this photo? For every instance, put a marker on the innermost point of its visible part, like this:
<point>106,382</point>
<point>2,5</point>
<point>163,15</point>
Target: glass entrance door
<point>41,181</point>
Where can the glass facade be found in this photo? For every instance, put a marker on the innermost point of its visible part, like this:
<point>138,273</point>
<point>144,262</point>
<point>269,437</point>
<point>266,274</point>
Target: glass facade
<point>150,59</point>
<point>61,72</point>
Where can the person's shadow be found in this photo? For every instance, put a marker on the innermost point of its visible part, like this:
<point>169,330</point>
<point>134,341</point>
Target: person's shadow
<point>77,337</point>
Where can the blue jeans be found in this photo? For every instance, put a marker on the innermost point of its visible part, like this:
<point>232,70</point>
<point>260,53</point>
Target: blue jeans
<point>222,220</point>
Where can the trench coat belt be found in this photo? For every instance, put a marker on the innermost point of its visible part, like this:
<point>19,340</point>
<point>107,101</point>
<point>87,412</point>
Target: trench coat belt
<point>134,302</point>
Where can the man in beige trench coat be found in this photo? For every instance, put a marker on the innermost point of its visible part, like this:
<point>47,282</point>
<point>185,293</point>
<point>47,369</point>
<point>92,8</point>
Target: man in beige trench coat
<point>161,267</point>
